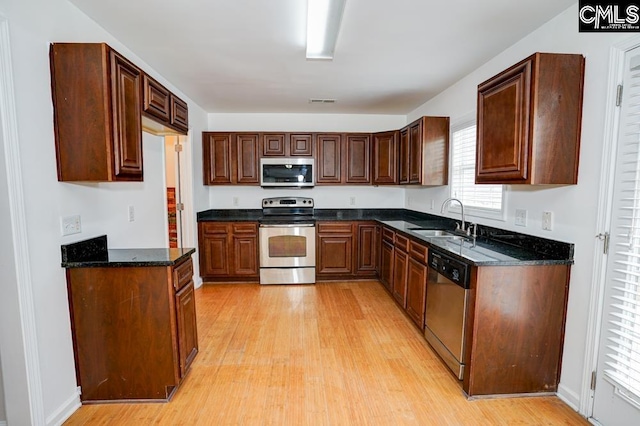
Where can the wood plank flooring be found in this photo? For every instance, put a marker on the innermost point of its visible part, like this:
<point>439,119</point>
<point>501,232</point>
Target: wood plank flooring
<point>329,354</point>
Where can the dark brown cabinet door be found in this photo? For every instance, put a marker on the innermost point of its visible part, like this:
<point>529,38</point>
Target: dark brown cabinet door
<point>357,158</point>
<point>335,255</point>
<point>328,158</point>
<point>503,130</point>
<point>246,158</point>
<point>187,327</point>
<point>273,144</point>
<point>216,150</point>
<point>385,158</point>
<point>416,291</point>
<point>386,265</point>
<point>415,152</point>
<point>214,255</point>
<point>404,156</point>
<point>400,263</point>
<point>155,99</point>
<point>179,114</point>
<point>127,140</point>
<point>529,121</point>
<point>367,249</point>
<point>301,145</point>
<point>245,250</point>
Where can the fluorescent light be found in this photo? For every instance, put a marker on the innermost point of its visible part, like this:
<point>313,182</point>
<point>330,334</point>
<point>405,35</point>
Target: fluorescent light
<point>323,24</point>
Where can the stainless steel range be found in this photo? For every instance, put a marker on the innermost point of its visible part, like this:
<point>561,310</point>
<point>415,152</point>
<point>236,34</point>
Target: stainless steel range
<point>287,241</point>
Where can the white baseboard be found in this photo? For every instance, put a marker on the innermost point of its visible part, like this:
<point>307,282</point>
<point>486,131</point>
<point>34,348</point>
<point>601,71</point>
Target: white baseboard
<point>64,411</point>
<point>569,397</point>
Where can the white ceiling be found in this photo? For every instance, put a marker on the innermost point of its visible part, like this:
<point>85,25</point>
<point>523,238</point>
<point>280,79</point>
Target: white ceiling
<point>249,55</point>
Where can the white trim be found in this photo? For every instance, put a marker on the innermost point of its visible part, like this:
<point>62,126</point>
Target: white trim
<point>19,227</point>
<point>3,423</point>
<point>603,220</point>
<point>65,411</point>
<point>569,397</point>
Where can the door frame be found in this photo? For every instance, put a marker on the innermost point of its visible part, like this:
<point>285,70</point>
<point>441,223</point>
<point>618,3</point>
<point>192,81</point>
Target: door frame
<point>20,358</point>
<point>603,219</point>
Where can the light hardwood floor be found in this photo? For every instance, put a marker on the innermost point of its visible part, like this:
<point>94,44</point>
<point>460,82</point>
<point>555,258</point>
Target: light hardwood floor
<point>332,353</point>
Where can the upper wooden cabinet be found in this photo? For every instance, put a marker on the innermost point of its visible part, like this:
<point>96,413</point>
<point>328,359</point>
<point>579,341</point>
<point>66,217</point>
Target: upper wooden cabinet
<point>96,96</point>
<point>385,158</point>
<point>529,119</point>
<point>424,152</point>
<point>230,158</point>
<point>287,144</point>
<point>163,112</point>
<point>357,158</point>
<point>329,158</point>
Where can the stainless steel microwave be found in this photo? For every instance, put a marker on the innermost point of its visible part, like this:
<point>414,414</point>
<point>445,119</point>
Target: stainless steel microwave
<point>287,172</point>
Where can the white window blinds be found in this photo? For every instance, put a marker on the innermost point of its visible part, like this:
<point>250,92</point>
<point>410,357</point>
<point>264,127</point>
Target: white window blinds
<point>463,161</point>
<point>623,323</point>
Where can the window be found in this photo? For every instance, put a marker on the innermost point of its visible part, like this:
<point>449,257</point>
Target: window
<point>479,200</point>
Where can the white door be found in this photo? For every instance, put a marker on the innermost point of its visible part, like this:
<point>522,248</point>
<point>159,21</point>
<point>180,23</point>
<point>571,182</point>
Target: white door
<point>617,385</point>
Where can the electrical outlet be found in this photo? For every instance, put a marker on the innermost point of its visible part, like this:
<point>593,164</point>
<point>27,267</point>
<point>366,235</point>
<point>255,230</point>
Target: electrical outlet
<point>521,217</point>
<point>70,225</point>
<point>132,214</point>
<point>235,201</point>
<point>547,221</point>
<point>433,204</point>
<point>352,201</point>
<point>409,201</point>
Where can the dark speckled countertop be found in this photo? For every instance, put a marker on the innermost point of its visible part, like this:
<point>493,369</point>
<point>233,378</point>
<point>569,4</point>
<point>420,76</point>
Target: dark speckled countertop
<point>93,253</point>
<point>497,247</point>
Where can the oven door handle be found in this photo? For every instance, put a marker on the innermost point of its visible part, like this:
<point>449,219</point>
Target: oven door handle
<point>301,225</point>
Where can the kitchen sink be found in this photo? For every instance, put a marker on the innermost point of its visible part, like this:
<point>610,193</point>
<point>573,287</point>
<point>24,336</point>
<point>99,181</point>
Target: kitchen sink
<point>433,233</point>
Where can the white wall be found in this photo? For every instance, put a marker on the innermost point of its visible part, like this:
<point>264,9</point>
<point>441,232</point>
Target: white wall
<point>3,414</point>
<point>103,207</point>
<point>574,207</point>
<point>249,197</point>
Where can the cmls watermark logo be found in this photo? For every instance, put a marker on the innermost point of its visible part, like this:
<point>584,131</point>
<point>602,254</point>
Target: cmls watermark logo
<point>609,16</point>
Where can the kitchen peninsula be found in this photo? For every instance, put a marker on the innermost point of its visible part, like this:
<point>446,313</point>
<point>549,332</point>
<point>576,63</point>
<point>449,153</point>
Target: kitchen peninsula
<point>133,320</point>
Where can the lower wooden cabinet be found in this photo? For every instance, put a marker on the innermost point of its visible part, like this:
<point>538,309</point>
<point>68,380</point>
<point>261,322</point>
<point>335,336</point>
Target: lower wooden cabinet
<point>347,250</point>
<point>228,251</point>
<point>134,330</point>
<point>400,263</point>
<point>386,264</point>
<point>416,291</point>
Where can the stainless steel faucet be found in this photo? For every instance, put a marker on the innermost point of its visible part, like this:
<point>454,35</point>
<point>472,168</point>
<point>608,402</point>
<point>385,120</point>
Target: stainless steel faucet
<point>462,227</point>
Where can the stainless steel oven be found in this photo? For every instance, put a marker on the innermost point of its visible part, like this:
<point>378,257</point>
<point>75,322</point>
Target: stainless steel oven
<point>287,237</point>
<point>446,311</point>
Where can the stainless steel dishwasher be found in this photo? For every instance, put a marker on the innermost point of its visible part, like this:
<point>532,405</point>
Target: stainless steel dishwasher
<point>445,317</point>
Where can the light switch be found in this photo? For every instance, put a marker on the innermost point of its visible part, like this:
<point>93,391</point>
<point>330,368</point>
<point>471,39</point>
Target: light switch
<point>70,225</point>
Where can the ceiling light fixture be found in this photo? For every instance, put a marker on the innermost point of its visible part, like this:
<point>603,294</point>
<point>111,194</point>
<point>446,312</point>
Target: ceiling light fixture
<point>323,25</point>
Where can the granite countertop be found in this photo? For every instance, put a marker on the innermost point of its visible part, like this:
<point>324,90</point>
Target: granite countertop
<point>93,253</point>
<point>497,247</point>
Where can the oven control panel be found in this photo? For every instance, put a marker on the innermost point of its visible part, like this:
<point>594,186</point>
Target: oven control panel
<point>287,202</point>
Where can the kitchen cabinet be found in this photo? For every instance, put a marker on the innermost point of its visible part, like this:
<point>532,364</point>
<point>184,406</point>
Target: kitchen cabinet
<point>163,113</point>
<point>367,248</point>
<point>329,158</point>
<point>417,283</point>
<point>387,253</point>
<point>96,95</point>
<point>529,119</point>
<point>400,265</point>
<point>424,152</point>
<point>134,330</point>
<point>516,327</point>
<point>385,158</point>
<point>287,144</point>
<point>228,251</point>
<point>334,249</point>
<point>357,158</point>
<point>230,158</point>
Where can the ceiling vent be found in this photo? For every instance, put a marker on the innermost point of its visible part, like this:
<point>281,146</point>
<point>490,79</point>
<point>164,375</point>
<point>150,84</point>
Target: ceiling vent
<point>322,101</point>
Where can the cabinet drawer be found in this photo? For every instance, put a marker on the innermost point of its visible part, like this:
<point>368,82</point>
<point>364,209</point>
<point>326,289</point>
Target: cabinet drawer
<point>334,228</point>
<point>418,252</point>
<point>244,228</point>
<point>402,243</point>
<point>213,228</point>
<point>182,274</point>
<point>388,235</point>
